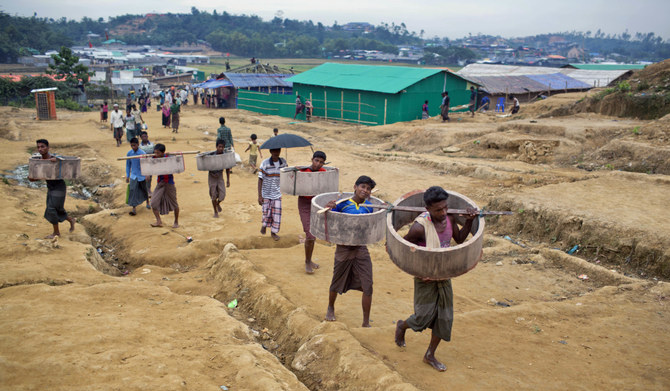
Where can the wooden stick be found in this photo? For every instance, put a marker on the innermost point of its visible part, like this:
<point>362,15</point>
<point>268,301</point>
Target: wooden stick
<point>151,154</point>
<point>449,211</point>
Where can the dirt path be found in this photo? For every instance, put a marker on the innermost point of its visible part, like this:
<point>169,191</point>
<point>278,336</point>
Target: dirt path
<point>523,320</point>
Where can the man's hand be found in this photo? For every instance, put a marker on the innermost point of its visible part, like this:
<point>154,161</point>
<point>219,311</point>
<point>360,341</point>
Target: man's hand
<point>127,180</point>
<point>260,200</point>
<point>471,213</point>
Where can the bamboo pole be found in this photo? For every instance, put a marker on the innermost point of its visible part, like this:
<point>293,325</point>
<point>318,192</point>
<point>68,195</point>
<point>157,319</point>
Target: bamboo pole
<point>359,107</point>
<point>325,104</point>
<point>449,211</point>
<point>385,102</point>
<point>342,104</point>
<point>152,154</point>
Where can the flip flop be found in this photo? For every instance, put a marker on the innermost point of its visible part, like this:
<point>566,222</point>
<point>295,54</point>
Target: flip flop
<point>132,213</point>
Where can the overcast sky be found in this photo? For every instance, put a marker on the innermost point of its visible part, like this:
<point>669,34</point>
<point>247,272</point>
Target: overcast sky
<point>453,19</point>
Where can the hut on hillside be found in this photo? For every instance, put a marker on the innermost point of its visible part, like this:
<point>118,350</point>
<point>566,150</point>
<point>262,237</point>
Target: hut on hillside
<point>378,95</point>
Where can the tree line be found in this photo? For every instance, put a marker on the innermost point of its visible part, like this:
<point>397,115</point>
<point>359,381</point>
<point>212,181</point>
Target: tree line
<point>249,35</point>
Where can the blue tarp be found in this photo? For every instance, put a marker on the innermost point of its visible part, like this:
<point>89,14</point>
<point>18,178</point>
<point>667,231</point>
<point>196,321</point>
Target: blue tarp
<point>213,83</point>
<point>559,81</point>
<point>248,80</point>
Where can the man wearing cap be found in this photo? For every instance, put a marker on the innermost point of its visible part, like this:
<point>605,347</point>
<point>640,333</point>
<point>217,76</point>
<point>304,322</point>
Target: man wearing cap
<point>116,122</point>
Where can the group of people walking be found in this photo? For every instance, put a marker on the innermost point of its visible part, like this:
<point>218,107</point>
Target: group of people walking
<point>352,270</point>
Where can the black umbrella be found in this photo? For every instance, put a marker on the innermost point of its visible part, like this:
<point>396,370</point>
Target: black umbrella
<point>285,140</point>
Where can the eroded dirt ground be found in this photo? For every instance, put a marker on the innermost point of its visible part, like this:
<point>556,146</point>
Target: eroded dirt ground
<point>121,305</point>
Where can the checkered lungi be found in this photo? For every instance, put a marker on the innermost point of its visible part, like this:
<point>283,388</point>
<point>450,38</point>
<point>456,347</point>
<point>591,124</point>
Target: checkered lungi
<point>272,214</point>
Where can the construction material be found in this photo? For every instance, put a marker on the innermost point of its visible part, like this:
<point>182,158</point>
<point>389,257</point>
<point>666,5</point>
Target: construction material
<point>65,167</point>
<point>292,181</point>
<point>171,164</point>
<point>210,161</point>
<point>153,155</point>
<point>343,228</point>
<point>434,263</point>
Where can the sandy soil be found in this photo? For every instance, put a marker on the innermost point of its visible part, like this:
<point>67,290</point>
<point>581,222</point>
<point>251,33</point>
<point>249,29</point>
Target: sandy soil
<point>523,319</point>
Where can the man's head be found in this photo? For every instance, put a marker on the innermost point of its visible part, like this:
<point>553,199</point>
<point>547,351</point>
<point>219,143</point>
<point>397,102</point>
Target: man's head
<point>116,107</point>
<point>363,188</point>
<point>144,136</point>
<point>159,150</point>
<point>42,146</point>
<point>253,136</point>
<point>472,88</point>
<point>318,159</point>
<point>435,199</point>
<point>128,111</point>
<point>275,131</point>
<point>222,121</point>
<point>220,146</point>
<point>275,153</point>
<point>134,144</point>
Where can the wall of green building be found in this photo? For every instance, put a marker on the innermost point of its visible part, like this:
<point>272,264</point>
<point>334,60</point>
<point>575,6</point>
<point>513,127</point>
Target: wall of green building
<point>271,104</point>
<point>364,107</point>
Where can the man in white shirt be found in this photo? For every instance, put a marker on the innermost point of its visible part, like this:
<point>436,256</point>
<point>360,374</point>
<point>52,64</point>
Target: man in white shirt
<point>116,122</point>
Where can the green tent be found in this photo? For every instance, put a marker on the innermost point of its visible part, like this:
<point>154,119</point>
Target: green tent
<point>378,94</point>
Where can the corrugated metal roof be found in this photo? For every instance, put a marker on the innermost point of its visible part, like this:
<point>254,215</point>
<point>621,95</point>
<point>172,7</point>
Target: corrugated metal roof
<point>559,81</point>
<point>508,84</point>
<point>377,78</point>
<point>245,80</point>
<point>593,78</point>
<point>607,67</point>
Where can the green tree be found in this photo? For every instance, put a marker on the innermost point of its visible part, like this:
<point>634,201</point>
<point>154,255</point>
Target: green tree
<point>65,66</point>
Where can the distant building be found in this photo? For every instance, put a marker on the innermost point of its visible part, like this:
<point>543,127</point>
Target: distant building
<point>377,94</point>
<point>358,27</point>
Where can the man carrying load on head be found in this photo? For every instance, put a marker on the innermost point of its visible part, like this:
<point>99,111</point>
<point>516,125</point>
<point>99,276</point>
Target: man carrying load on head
<point>353,266</point>
<point>433,299</point>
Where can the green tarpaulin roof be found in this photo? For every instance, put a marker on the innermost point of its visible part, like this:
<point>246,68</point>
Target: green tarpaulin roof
<point>377,78</point>
<point>608,67</point>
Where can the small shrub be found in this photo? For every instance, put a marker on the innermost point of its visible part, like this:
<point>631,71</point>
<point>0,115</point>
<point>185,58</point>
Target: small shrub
<point>624,86</point>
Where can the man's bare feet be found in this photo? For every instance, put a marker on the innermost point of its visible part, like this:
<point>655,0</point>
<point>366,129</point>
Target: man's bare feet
<point>366,324</point>
<point>432,361</point>
<point>175,225</point>
<point>400,333</point>
<point>310,267</point>
<point>71,224</point>
<point>218,207</point>
<point>275,236</point>
<point>263,230</point>
<point>330,314</point>
<point>51,236</point>
<point>157,224</point>
<point>216,215</point>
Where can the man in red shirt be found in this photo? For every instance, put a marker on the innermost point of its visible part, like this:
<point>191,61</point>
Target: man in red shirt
<point>304,207</point>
